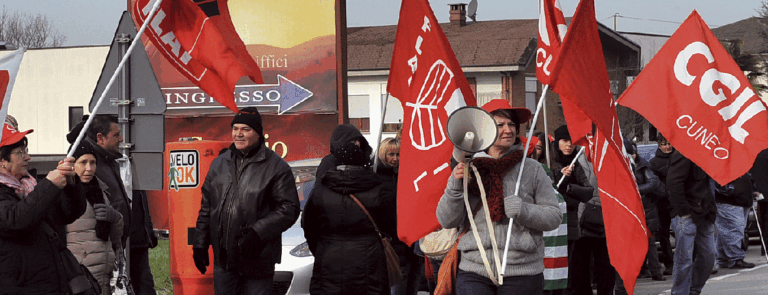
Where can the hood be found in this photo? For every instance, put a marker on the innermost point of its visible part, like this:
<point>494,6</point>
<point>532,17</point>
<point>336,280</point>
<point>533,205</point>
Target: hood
<point>351,180</point>
<point>346,133</point>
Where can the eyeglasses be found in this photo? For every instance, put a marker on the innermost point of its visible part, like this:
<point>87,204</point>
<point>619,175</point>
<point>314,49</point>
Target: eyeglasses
<point>22,153</point>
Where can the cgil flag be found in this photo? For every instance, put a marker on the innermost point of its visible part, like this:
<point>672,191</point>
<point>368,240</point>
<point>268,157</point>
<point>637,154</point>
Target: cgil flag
<point>9,68</point>
<point>427,79</point>
<point>694,93</point>
<point>552,30</point>
<point>580,76</point>
<point>200,41</point>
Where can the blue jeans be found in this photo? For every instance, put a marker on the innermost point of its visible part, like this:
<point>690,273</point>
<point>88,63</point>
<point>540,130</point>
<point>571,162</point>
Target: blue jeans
<point>412,267</point>
<point>730,223</point>
<point>691,273</point>
<point>469,283</point>
<point>231,282</point>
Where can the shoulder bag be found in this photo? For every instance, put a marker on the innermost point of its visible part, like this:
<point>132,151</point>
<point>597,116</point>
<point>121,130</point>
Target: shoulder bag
<point>436,244</point>
<point>79,278</point>
<point>393,262</point>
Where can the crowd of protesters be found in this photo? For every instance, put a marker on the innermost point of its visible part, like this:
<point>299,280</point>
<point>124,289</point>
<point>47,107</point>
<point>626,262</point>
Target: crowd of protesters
<point>76,206</point>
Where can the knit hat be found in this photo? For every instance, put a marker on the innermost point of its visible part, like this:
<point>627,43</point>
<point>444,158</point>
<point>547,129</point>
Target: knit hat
<point>629,147</point>
<point>349,154</point>
<point>562,133</point>
<point>249,116</point>
<point>523,114</point>
<point>83,148</point>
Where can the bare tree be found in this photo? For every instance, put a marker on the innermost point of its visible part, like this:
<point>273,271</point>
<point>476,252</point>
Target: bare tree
<point>24,29</point>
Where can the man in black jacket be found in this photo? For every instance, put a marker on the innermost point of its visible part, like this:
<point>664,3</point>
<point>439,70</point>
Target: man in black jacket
<point>104,135</point>
<point>249,199</point>
<point>660,166</point>
<point>694,209</point>
<point>759,173</point>
<point>733,202</point>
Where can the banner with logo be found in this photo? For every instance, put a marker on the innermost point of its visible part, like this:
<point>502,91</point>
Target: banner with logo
<point>693,92</point>
<point>292,42</point>
<point>427,79</point>
<point>552,30</point>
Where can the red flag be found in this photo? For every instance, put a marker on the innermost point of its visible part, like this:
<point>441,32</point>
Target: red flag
<point>9,68</point>
<point>552,30</point>
<point>694,93</point>
<point>427,79</point>
<point>201,43</point>
<point>580,76</point>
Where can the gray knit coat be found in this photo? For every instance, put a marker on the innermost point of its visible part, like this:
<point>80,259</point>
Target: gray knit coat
<point>533,211</point>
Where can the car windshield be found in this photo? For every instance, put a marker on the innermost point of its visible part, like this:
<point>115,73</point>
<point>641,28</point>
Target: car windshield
<point>305,178</point>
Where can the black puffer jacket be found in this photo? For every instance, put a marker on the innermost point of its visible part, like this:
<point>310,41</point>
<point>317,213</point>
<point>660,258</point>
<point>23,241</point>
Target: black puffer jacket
<point>28,259</point>
<point>660,167</point>
<point>759,173</point>
<point>575,189</point>
<point>349,257</point>
<point>254,191</point>
<point>689,191</point>
<point>647,183</point>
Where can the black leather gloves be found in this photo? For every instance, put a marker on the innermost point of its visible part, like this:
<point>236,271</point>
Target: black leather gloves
<point>201,259</point>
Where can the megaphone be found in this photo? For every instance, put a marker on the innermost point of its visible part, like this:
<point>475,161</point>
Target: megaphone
<point>471,130</point>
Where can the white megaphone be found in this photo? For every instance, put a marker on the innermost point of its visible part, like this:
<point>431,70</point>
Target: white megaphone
<point>471,130</point>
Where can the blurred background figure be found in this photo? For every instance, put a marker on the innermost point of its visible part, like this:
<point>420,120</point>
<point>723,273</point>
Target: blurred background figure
<point>660,166</point>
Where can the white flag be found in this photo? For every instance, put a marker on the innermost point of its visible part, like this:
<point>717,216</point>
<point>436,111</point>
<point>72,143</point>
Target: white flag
<point>9,67</point>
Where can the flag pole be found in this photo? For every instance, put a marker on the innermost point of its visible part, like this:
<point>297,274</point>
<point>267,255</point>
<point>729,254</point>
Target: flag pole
<point>760,230</point>
<point>571,165</point>
<point>381,131</point>
<point>546,131</point>
<point>136,39</point>
<point>519,175</point>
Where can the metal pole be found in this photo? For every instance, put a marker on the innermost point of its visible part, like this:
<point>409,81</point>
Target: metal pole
<point>114,76</point>
<point>760,230</point>
<point>381,131</point>
<point>546,131</point>
<point>519,175</point>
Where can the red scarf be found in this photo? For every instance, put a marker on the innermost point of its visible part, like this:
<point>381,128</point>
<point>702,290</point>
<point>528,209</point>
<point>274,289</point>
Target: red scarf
<point>492,172</point>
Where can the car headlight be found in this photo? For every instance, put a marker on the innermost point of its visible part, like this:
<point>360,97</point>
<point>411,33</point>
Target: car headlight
<point>302,250</point>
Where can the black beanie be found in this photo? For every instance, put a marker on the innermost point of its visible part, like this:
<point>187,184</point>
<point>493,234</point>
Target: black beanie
<point>83,148</point>
<point>629,147</point>
<point>249,116</point>
<point>562,133</point>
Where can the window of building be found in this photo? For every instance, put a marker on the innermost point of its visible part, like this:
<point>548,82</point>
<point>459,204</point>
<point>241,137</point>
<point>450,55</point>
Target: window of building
<point>360,112</point>
<point>393,119</point>
<point>531,86</point>
<point>75,116</point>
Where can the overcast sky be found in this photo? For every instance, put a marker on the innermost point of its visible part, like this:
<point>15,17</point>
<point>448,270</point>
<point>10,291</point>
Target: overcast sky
<point>89,22</point>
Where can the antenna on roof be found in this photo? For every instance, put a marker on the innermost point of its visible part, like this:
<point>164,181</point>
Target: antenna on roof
<point>472,10</point>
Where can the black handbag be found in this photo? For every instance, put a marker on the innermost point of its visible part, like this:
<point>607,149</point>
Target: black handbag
<point>79,278</point>
<point>591,223</point>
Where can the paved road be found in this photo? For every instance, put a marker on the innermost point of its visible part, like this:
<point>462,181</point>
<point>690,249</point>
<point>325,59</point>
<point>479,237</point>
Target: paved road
<point>726,281</point>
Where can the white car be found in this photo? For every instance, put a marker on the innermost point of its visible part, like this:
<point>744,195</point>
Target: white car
<point>292,275</point>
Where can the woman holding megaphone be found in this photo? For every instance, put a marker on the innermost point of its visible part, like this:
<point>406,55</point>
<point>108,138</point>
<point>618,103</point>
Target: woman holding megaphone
<point>532,211</point>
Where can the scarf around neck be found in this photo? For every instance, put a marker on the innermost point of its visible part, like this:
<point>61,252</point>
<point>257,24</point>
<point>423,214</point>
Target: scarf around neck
<point>22,187</point>
<point>492,172</point>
